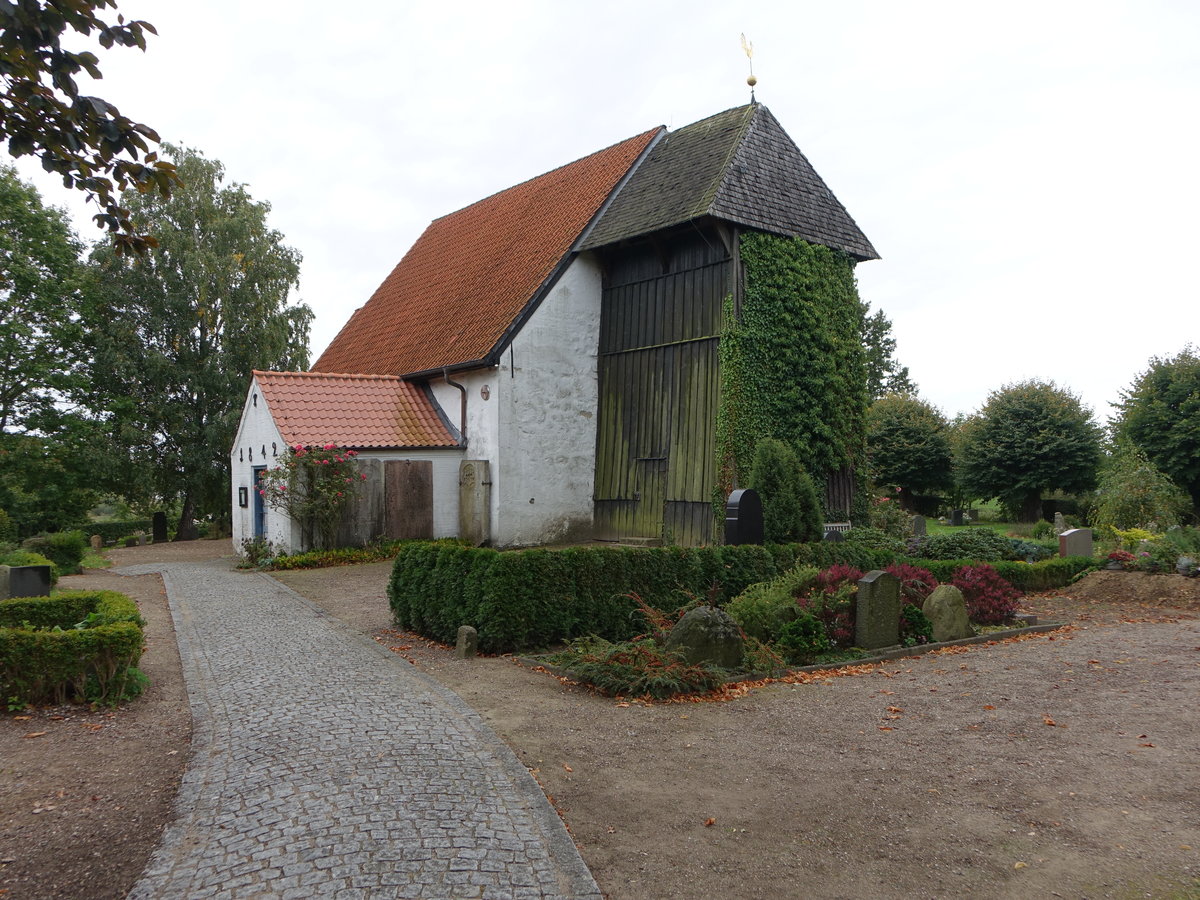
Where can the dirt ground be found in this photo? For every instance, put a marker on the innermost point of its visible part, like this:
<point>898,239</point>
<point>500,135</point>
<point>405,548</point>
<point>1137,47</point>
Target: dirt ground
<point>1062,765</point>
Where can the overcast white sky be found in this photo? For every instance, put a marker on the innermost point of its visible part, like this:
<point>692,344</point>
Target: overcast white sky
<point>1029,171</point>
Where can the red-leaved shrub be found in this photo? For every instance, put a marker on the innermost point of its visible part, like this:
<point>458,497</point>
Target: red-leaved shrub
<point>990,599</point>
<point>836,575</point>
<point>915,583</point>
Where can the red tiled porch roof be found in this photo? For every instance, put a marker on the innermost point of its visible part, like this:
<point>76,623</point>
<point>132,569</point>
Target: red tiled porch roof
<point>357,411</point>
<point>455,293</point>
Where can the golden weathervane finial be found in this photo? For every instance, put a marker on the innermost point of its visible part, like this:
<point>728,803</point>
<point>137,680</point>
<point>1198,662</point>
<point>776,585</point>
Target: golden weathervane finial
<point>748,49</point>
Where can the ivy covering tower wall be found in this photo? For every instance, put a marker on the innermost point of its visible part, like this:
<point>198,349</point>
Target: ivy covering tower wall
<point>792,362</point>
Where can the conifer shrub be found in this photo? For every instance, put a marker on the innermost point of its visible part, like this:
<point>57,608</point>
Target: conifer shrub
<point>803,639</point>
<point>791,511</point>
<point>763,609</point>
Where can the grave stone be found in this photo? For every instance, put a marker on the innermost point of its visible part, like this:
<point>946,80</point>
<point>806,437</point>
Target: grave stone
<point>744,518</point>
<point>835,537</point>
<point>97,543</point>
<point>141,539</point>
<point>973,515</point>
<point>159,527</point>
<point>877,615</point>
<point>947,613</point>
<point>1075,542</point>
<point>24,581</point>
<point>708,634</point>
<point>956,517</point>
<point>1060,524</point>
<point>918,526</point>
<point>467,644</point>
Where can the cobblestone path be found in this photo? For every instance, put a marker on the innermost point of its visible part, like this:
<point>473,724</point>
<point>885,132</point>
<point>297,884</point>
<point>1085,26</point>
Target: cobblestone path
<point>324,766</point>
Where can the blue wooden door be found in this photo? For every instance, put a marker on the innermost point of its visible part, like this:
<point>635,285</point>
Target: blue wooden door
<point>260,508</point>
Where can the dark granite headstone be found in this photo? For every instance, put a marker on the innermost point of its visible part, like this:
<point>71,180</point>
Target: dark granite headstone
<point>744,518</point>
<point>835,537</point>
<point>24,581</point>
<point>160,527</point>
<point>956,517</point>
<point>877,613</point>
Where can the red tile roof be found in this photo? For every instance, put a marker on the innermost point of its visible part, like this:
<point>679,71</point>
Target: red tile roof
<point>467,278</point>
<point>357,411</point>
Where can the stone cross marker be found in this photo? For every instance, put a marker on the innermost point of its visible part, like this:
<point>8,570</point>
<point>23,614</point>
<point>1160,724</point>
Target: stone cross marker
<point>918,526</point>
<point>877,616</point>
<point>744,518</point>
<point>1075,542</point>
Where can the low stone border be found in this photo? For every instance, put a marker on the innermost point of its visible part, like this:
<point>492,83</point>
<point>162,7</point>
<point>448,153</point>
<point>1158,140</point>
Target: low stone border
<point>883,656</point>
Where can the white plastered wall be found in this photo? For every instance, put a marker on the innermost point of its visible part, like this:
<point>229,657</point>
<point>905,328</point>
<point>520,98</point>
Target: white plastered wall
<point>258,435</point>
<point>537,428</point>
<point>258,443</point>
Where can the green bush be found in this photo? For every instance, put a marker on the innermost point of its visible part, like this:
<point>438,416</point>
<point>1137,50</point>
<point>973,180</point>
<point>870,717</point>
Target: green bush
<point>915,627</point>
<point>966,543</point>
<point>8,528</point>
<point>763,609</point>
<point>874,539</point>
<point>791,511</point>
<point>63,548</point>
<point>75,645</point>
<point>803,639</point>
<point>29,558</point>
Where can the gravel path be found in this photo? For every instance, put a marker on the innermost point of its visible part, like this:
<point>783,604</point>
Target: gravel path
<point>324,766</point>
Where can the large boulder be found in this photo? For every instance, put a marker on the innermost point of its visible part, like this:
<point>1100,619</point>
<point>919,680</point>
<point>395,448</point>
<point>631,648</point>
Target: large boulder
<point>947,613</point>
<point>707,634</point>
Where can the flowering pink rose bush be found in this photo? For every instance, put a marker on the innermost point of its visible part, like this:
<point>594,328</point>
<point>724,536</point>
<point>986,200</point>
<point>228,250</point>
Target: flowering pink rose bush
<point>313,485</point>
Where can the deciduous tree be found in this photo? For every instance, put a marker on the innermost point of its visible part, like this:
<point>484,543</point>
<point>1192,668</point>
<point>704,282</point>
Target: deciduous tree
<point>1029,438</point>
<point>40,279</point>
<point>177,331</point>
<point>1160,414</point>
<point>85,139</point>
<point>908,444</point>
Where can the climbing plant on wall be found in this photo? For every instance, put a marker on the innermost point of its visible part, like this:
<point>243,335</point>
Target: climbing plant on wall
<point>792,364</point>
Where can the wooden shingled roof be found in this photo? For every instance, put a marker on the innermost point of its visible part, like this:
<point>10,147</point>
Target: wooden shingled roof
<point>355,411</point>
<point>740,166</point>
<point>453,297</point>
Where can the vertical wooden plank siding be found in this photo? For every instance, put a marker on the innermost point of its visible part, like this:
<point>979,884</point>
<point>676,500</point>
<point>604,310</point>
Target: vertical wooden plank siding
<point>659,388</point>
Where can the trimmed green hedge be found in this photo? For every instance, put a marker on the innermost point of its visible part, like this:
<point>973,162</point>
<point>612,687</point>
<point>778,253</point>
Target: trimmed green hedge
<point>1039,576</point>
<point>79,645</point>
<point>111,532</point>
<point>533,598</point>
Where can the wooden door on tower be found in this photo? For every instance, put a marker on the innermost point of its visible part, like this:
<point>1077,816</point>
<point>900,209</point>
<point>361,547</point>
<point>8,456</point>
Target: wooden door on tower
<point>659,386</point>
